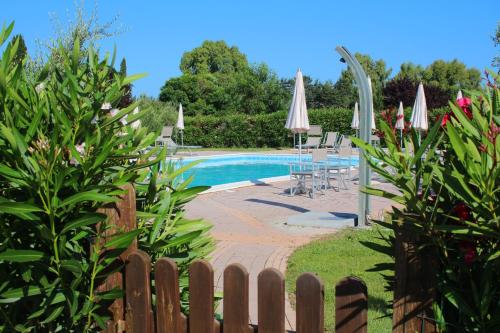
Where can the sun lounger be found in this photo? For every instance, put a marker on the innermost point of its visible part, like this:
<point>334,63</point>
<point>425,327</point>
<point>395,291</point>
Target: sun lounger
<point>330,140</point>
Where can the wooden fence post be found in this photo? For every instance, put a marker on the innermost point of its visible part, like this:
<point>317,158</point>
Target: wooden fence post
<point>168,308</point>
<point>201,297</point>
<point>351,306</point>
<point>271,301</point>
<point>236,299</point>
<point>138,293</point>
<point>310,309</point>
<point>121,218</point>
<point>414,284</point>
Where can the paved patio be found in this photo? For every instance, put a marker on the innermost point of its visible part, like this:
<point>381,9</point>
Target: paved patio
<point>250,229</point>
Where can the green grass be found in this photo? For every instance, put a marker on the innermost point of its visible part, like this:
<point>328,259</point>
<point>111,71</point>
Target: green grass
<point>336,257</point>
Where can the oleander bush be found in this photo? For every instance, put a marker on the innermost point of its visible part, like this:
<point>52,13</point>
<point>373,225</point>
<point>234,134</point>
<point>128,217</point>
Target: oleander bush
<point>162,193</point>
<point>448,199</point>
<point>65,152</point>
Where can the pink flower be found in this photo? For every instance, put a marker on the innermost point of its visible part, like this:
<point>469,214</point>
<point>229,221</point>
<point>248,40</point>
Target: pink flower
<point>465,104</point>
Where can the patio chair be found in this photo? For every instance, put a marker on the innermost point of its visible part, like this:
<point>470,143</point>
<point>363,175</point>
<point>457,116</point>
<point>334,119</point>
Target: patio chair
<point>341,171</point>
<point>166,133</point>
<point>312,142</point>
<point>330,140</point>
<point>173,146</point>
<point>314,138</point>
<point>315,171</point>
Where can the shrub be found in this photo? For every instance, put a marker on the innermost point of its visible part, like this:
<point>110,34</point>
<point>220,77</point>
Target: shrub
<point>63,156</point>
<point>262,130</point>
<point>449,203</point>
<point>165,230</point>
<point>158,113</point>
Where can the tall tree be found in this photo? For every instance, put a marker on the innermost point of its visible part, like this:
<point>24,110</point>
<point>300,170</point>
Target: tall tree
<point>127,98</point>
<point>218,79</point>
<point>496,41</point>
<point>213,57</point>
<point>345,86</point>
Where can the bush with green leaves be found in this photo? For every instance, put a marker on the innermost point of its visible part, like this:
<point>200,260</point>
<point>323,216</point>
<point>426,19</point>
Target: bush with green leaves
<point>261,130</point>
<point>158,113</point>
<point>64,153</point>
<point>448,198</point>
<point>162,194</point>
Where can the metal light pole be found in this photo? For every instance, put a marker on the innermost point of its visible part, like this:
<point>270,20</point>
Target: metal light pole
<point>365,116</point>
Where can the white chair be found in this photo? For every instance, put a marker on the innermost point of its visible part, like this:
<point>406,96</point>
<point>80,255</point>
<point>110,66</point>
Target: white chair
<point>315,171</point>
<point>341,171</point>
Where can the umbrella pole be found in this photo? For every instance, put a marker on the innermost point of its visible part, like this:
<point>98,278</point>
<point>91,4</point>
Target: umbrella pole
<point>401,137</point>
<point>182,137</point>
<point>300,151</point>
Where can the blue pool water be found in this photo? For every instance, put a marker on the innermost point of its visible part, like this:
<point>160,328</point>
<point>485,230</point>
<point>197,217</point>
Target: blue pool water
<point>217,170</point>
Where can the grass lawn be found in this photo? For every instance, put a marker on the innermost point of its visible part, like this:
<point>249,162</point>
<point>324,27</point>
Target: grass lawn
<point>341,255</point>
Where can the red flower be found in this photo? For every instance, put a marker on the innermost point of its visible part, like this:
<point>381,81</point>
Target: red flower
<point>446,118</point>
<point>469,251</point>
<point>462,211</point>
<point>465,104</point>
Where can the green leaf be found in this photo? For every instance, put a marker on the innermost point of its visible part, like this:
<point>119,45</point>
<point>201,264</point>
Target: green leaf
<point>122,240</point>
<point>86,220</point>
<point>88,196</point>
<point>132,78</point>
<point>12,255</point>
<point>20,209</point>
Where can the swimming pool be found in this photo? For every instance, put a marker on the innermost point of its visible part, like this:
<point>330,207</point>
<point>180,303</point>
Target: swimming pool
<point>234,170</point>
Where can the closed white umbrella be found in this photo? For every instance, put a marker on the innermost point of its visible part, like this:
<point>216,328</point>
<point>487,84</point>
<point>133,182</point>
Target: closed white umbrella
<point>419,113</point>
<point>373,113</point>
<point>180,123</point>
<point>460,95</point>
<point>297,120</point>
<point>355,117</point>
<point>400,121</point>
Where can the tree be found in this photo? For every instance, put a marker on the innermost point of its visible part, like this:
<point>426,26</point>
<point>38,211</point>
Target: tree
<point>213,57</point>
<point>127,98</point>
<point>409,70</point>
<point>496,42</point>
<point>403,89</point>
<point>218,79</point>
<point>346,88</point>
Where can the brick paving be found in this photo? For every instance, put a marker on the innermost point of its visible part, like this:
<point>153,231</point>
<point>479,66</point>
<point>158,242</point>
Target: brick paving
<point>249,227</point>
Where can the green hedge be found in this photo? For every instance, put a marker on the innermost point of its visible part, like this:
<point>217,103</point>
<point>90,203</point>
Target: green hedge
<point>266,130</point>
<point>262,130</point>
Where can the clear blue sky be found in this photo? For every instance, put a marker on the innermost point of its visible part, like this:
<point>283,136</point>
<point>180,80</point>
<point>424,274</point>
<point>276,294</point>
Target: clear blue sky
<point>284,34</point>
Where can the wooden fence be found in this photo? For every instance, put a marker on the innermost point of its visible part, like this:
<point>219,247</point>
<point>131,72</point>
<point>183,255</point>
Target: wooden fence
<point>136,314</point>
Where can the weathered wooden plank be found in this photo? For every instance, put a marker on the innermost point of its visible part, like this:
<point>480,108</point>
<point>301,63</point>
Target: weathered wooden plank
<point>168,308</point>
<point>414,288</point>
<point>121,218</point>
<point>217,326</point>
<point>138,293</point>
<point>351,306</point>
<point>201,297</point>
<point>271,301</point>
<point>310,298</point>
<point>236,300</point>
<point>184,323</point>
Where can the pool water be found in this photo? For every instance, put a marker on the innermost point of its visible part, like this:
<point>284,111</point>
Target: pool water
<point>218,170</point>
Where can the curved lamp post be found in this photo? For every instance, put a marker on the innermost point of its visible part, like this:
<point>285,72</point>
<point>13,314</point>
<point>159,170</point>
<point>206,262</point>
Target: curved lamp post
<point>365,116</point>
